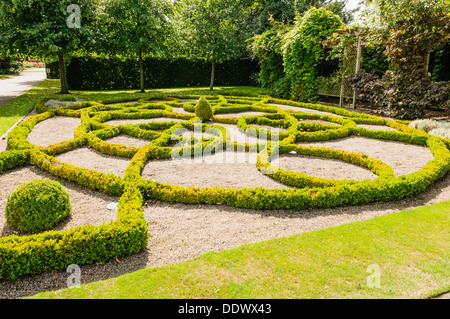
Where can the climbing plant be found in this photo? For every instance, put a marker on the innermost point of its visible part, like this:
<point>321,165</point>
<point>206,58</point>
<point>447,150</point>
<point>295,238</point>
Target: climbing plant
<point>303,50</point>
<point>266,48</point>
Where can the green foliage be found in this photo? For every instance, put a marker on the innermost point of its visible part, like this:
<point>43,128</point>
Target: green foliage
<point>37,206</point>
<point>302,50</point>
<point>410,30</point>
<point>266,48</point>
<point>40,28</point>
<point>203,109</point>
<point>97,73</point>
<point>137,28</point>
<point>209,30</point>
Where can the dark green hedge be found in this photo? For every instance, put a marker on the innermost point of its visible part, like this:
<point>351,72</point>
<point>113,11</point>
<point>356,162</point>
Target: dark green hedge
<point>85,73</point>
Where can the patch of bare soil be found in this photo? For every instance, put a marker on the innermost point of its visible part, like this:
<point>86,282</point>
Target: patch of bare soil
<point>94,160</point>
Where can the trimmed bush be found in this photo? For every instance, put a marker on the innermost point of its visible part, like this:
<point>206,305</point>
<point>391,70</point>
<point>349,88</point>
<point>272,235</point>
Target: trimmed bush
<point>203,109</point>
<point>37,206</point>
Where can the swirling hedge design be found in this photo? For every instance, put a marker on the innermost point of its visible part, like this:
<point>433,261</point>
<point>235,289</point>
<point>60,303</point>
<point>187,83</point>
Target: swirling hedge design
<point>128,234</point>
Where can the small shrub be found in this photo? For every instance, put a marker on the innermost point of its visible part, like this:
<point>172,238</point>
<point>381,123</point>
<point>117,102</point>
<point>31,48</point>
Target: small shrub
<point>429,125</point>
<point>425,125</point>
<point>37,206</point>
<point>441,132</point>
<point>203,109</point>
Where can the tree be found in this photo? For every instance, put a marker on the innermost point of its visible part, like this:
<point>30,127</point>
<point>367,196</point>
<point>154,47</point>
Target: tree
<point>137,28</point>
<point>409,30</point>
<point>260,13</point>
<point>209,30</point>
<point>47,29</point>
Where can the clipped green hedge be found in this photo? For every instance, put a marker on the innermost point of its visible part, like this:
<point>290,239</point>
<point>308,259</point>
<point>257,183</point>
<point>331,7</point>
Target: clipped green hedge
<point>128,234</point>
<point>95,73</point>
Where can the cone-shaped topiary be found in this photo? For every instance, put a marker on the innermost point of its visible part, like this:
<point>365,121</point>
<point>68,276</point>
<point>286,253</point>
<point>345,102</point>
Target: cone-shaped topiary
<point>37,206</point>
<point>203,109</point>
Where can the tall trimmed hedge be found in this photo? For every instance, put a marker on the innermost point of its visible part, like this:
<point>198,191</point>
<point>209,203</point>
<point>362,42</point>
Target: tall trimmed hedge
<point>86,73</point>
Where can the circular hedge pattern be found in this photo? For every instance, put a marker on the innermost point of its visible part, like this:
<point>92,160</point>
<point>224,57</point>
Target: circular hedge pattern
<point>37,206</point>
<point>175,114</point>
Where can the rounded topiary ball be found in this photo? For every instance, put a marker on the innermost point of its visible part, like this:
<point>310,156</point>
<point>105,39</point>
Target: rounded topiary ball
<point>37,206</point>
<point>203,109</point>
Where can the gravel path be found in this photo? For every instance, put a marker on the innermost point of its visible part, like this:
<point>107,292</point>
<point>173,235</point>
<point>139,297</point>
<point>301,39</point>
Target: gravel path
<point>402,157</point>
<point>53,130</point>
<point>16,85</point>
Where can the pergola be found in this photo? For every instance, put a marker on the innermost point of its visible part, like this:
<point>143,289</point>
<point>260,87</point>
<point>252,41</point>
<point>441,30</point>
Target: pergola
<point>360,42</point>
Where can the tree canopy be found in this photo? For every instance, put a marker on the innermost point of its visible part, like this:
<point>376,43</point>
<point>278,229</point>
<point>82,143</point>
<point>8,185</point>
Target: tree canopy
<point>136,28</point>
<point>209,30</point>
<point>409,30</point>
<point>47,29</point>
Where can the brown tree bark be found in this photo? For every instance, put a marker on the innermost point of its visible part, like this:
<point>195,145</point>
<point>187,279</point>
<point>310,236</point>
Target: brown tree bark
<point>213,70</point>
<point>141,73</point>
<point>62,74</point>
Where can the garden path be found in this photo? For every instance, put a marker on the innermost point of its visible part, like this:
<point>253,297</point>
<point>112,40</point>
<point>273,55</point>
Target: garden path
<point>14,86</point>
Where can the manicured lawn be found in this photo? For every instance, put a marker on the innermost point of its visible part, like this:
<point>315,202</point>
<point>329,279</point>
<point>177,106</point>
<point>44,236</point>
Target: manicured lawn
<point>13,111</point>
<point>411,250</point>
<point>5,76</point>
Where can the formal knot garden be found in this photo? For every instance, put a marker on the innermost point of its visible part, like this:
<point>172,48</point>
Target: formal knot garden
<point>256,153</point>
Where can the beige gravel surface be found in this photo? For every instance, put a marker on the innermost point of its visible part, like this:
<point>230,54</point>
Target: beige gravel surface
<point>302,109</point>
<point>324,168</point>
<point>376,127</point>
<point>239,114</point>
<point>142,121</point>
<point>225,169</point>
<point>402,157</point>
<point>127,140</point>
<point>94,160</point>
<point>53,130</point>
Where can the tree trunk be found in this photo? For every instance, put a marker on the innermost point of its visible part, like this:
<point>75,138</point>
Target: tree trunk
<point>62,74</point>
<point>213,70</point>
<point>141,73</point>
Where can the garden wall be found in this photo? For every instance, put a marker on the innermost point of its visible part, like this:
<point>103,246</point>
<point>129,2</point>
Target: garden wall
<point>85,73</point>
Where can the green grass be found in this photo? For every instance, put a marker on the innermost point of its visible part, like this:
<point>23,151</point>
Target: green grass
<point>15,109</point>
<point>411,249</point>
<point>5,76</point>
